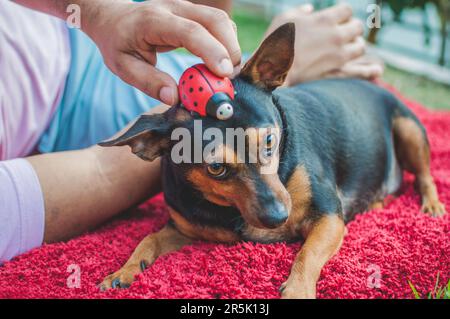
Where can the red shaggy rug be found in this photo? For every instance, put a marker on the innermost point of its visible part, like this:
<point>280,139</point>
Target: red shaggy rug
<point>382,251</point>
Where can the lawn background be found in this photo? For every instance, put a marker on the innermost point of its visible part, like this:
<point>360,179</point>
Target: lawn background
<point>251,29</point>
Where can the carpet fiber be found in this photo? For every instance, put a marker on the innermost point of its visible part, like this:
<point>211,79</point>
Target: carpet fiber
<point>382,251</point>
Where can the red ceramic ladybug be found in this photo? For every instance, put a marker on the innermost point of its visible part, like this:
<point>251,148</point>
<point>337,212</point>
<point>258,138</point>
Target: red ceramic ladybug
<point>203,92</point>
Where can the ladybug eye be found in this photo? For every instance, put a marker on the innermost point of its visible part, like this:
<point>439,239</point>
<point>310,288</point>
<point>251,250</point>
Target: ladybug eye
<point>224,112</point>
<point>217,170</point>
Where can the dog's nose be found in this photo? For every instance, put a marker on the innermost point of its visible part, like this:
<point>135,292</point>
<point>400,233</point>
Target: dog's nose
<point>275,216</point>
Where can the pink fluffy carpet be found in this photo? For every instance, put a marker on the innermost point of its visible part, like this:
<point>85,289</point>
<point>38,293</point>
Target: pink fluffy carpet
<point>399,241</point>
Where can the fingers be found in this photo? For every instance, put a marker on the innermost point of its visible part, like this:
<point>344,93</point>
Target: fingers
<point>302,9</point>
<point>292,14</point>
<point>350,30</point>
<point>147,78</point>
<point>357,70</point>
<point>196,39</point>
<point>337,14</point>
<point>354,49</point>
<point>219,26</point>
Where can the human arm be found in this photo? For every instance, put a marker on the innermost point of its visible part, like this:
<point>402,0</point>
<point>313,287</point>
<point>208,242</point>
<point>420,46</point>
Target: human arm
<point>84,188</point>
<point>130,34</point>
<point>329,43</point>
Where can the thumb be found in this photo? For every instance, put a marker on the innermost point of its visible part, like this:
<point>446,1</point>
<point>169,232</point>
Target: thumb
<point>148,79</point>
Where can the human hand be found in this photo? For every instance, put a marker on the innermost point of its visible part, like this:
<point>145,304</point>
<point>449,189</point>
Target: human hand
<point>328,43</point>
<point>129,36</point>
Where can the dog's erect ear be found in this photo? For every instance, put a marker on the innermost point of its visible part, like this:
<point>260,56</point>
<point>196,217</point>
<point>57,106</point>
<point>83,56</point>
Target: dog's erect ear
<point>270,64</point>
<point>148,138</point>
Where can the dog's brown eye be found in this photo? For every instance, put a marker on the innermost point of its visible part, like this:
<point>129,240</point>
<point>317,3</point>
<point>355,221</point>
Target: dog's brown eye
<point>270,140</point>
<point>217,170</point>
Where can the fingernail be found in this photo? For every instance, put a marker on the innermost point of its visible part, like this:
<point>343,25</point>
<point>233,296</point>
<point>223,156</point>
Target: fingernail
<point>226,67</point>
<point>166,95</point>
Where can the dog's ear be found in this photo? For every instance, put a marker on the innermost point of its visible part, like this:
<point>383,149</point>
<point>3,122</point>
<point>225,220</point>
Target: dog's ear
<point>148,138</point>
<point>270,64</point>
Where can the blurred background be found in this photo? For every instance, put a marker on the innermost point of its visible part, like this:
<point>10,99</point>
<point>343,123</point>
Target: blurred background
<point>414,40</point>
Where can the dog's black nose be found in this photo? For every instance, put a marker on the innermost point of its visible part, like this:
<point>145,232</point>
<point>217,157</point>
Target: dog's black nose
<point>275,216</point>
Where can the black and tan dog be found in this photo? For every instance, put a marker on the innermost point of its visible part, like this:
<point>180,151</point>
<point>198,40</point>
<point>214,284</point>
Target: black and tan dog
<point>342,147</point>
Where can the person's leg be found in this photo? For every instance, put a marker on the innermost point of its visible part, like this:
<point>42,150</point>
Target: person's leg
<point>84,188</point>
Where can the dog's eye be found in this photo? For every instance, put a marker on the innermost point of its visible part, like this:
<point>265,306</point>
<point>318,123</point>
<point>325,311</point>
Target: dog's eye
<point>217,170</point>
<point>270,140</point>
<point>271,143</point>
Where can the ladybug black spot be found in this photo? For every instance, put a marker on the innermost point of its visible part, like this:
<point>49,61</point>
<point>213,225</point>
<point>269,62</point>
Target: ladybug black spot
<point>195,104</point>
<point>191,77</point>
<point>191,90</point>
<point>200,89</point>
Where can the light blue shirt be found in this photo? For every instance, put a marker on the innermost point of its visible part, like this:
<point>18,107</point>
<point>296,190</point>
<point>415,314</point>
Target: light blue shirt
<point>96,103</point>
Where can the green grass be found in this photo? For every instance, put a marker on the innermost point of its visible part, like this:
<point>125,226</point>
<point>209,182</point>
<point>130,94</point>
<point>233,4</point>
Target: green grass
<point>439,292</point>
<point>429,93</point>
<point>251,29</point>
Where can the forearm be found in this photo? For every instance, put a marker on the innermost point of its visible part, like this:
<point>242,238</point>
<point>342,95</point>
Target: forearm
<point>59,8</point>
<point>82,189</point>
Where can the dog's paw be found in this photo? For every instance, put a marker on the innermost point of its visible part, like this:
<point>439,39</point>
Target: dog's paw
<point>297,291</point>
<point>122,278</point>
<point>434,208</point>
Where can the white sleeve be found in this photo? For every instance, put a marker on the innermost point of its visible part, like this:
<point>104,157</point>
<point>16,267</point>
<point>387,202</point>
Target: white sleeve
<point>22,213</point>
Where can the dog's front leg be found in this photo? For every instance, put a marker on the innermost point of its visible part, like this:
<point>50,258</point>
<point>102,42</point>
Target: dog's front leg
<point>323,240</point>
<point>151,247</point>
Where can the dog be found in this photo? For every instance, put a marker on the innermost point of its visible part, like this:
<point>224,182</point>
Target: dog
<point>341,149</point>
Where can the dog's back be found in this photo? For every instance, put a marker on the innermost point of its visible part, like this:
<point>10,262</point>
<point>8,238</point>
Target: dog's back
<point>344,131</point>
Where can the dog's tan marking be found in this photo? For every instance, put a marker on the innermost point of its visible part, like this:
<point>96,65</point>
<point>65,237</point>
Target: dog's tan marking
<point>151,247</point>
<point>322,242</point>
<point>299,189</point>
<point>193,231</point>
<point>278,189</point>
<point>376,205</point>
<point>182,115</point>
<point>413,152</point>
<point>218,192</point>
<point>239,193</point>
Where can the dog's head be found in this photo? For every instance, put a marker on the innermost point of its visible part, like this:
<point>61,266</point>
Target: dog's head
<point>232,162</point>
